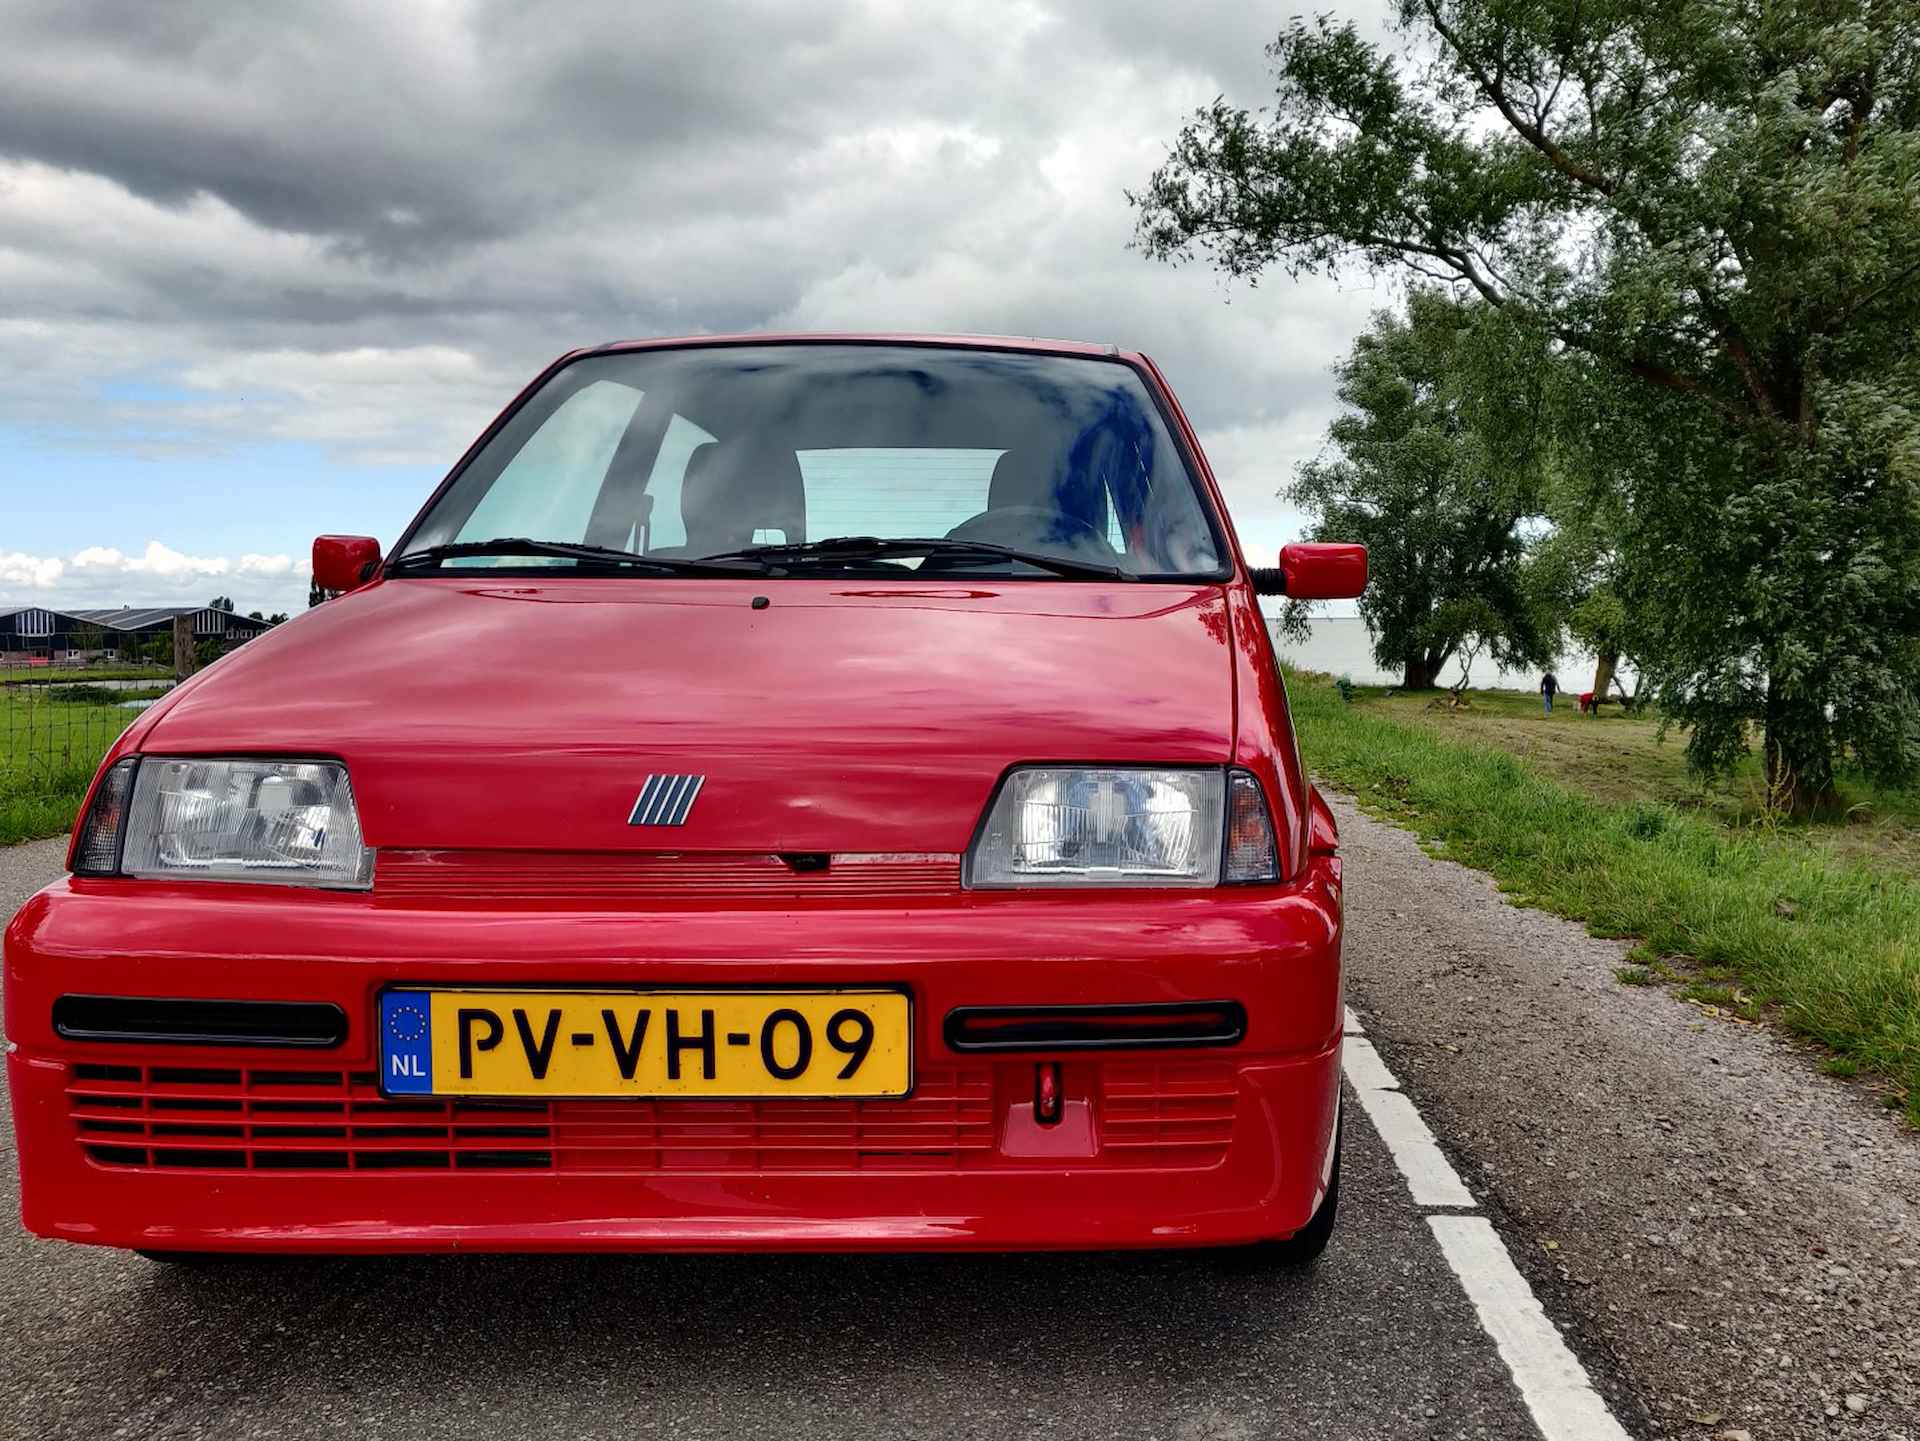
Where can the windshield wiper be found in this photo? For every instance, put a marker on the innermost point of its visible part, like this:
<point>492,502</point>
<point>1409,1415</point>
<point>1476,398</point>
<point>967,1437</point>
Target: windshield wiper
<point>590,554</point>
<point>863,547</point>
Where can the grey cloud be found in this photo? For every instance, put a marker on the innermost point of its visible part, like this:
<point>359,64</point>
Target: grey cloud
<point>192,185</point>
<point>382,128</point>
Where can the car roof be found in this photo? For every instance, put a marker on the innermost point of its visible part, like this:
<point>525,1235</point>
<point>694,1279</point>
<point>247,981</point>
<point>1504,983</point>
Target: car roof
<point>872,337</point>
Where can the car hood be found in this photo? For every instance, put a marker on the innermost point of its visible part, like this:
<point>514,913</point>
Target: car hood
<point>838,716</point>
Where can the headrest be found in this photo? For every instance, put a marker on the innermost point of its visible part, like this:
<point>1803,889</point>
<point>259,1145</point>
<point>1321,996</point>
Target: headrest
<point>1022,477</point>
<point>730,489</point>
<point>1044,480</point>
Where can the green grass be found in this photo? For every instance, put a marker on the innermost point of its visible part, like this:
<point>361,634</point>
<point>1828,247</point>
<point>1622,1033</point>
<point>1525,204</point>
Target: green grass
<point>63,674</point>
<point>51,740</point>
<point>1792,923</point>
<point>1623,760</point>
<point>39,805</point>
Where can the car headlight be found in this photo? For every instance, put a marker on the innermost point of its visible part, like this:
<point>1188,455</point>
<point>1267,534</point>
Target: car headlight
<point>1124,826</point>
<point>292,823</point>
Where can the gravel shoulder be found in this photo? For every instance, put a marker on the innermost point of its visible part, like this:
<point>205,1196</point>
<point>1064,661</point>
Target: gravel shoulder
<point>1702,1210</point>
<point>27,867</point>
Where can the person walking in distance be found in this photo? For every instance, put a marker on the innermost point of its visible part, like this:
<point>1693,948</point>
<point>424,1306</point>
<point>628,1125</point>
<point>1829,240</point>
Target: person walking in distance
<point>1549,683</point>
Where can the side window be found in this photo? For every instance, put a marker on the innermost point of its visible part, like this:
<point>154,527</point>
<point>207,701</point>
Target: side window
<point>665,527</point>
<point>547,491</point>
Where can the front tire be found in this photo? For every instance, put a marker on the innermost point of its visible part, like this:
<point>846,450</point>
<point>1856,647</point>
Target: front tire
<point>180,1258</point>
<point>1304,1246</point>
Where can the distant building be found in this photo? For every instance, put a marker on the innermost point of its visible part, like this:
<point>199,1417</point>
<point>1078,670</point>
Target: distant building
<point>37,635</point>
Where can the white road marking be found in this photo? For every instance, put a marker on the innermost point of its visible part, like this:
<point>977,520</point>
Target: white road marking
<point>1431,1179</point>
<point>1551,1379</point>
<point>1554,1385</point>
<point>1364,1068</point>
<point>1353,1026</point>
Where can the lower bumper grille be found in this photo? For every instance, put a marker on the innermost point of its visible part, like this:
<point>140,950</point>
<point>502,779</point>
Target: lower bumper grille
<point>256,1119</point>
<point>197,1118</point>
<point>1171,1113</point>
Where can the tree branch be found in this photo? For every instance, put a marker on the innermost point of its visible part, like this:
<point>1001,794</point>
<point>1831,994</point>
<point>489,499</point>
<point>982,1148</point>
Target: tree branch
<point>1734,345</point>
<point>1900,276</point>
<point>1766,420</point>
<point>1534,135</point>
<point>1693,389</point>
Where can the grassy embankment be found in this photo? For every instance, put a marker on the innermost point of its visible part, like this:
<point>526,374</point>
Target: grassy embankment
<point>51,739</point>
<point>1815,926</point>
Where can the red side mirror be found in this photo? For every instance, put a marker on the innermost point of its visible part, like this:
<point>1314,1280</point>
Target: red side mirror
<point>1324,570</point>
<point>344,562</point>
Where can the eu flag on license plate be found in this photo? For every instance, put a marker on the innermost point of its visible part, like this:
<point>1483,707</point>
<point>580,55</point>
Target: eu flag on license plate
<point>406,1033</point>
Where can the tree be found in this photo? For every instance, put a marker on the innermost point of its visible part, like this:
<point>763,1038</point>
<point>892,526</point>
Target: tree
<point>221,602</point>
<point>1434,472</point>
<point>1713,202</point>
<point>316,595</point>
<point>1579,568</point>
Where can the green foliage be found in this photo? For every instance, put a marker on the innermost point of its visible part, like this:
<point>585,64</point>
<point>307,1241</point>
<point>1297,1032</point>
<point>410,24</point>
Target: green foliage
<point>1645,822</point>
<point>1840,965</point>
<point>1598,620</point>
<point>1577,569</point>
<point>1784,588</point>
<point>51,738</point>
<point>1711,210</point>
<point>83,695</point>
<point>36,805</point>
<point>1436,471</point>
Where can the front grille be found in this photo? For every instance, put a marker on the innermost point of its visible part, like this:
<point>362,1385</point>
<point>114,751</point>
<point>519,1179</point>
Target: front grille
<point>623,878</point>
<point>214,1118</point>
<point>209,1118</point>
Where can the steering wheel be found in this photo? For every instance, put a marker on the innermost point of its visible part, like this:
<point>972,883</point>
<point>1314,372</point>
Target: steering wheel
<point>1032,526</point>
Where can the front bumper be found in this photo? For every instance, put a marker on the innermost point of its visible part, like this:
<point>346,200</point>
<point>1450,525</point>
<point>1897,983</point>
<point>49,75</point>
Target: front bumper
<point>259,1149</point>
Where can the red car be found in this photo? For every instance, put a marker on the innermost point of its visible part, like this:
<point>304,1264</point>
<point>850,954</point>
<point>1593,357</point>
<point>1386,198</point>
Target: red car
<point>789,793</point>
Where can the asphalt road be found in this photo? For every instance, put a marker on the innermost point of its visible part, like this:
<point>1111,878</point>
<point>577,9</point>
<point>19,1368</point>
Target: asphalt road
<point>1378,1341</point>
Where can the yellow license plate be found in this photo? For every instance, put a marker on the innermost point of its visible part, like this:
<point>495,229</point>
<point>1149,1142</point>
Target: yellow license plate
<point>689,1044</point>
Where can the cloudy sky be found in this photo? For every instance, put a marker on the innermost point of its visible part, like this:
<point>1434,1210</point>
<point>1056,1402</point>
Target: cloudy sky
<point>266,270</point>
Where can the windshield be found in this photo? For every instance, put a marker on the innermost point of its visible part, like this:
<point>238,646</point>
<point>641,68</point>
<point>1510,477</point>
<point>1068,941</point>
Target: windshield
<point>684,454</point>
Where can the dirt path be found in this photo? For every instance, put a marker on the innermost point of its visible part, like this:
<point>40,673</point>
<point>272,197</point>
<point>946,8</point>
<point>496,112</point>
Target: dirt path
<point>1694,1202</point>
